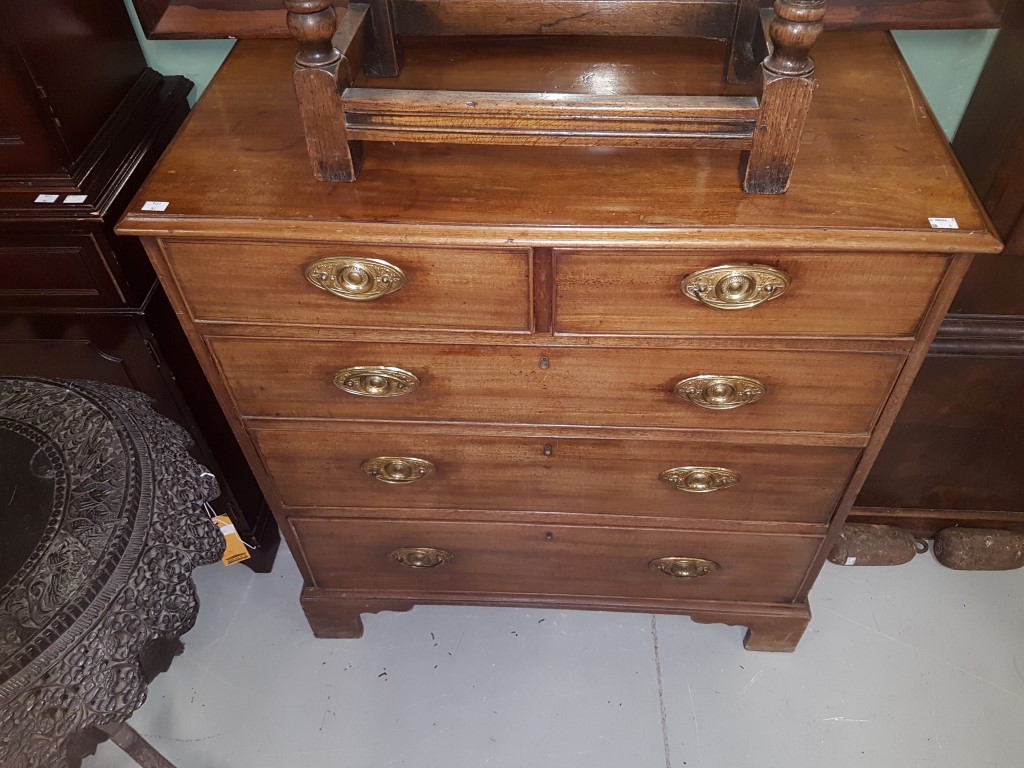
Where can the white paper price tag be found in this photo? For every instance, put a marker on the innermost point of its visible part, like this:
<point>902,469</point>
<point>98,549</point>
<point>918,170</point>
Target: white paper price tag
<point>155,205</point>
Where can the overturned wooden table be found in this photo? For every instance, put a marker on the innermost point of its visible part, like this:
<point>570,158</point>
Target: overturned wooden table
<point>102,521</point>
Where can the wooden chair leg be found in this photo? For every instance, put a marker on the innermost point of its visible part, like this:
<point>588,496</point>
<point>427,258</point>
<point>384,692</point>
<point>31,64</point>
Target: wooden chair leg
<point>320,72</point>
<point>135,746</point>
<point>788,84</point>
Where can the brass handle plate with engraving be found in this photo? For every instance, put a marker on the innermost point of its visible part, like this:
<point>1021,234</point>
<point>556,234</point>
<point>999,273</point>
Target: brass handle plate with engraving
<point>699,479</point>
<point>684,567</point>
<point>376,381</point>
<point>356,279</point>
<point>398,470</point>
<point>719,393</point>
<point>735,286</point>
<point>420,557</point>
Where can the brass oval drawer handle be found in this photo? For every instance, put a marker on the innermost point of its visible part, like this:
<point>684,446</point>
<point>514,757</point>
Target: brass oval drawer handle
<point>356,279</point>
<point>420,557</point>
<point>684,567</point>
<point>699,479</point>
<point>735,286</point>
<point>376,381</point>
<point>398,470</point>
<point>719,393</point>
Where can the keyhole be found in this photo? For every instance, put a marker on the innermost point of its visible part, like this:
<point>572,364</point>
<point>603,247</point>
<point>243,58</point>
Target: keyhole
<point>544,364</point>
<point>547,450</point>
<point>549,536</point>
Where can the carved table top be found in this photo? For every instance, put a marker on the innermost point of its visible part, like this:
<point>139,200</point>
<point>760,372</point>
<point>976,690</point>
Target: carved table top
<point>101,523</point>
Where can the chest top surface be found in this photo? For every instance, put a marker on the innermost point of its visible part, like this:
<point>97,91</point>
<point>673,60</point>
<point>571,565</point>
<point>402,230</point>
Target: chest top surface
<point>873,167</point>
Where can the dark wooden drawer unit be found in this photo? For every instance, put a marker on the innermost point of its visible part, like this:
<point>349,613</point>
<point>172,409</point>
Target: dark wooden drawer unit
<point>82,122</point>
<point>47,271</point>
<point>955,456</point>
<point>544,413</point>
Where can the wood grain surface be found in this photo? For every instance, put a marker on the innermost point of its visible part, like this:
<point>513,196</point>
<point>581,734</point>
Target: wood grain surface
<point>872,168</point>
<point>824,392</point>
<point>618,291</point>
<point>447,288</point>
<point>511,558</point>
<point>479,470</point>
<point>264,18</point>
<point>544,321</point>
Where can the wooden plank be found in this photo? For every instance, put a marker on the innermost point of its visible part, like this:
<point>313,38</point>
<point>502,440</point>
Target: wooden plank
<point>661,18</point>
<point>164,19</point>
<point>372,101</point>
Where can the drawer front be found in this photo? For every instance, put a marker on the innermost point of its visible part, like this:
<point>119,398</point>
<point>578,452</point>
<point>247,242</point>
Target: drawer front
<point>440,288</point>
<point>817,392</point>
<point>522,559</point>
<point>620,477</point>
<point>616,292</point>
<point>55,271</point>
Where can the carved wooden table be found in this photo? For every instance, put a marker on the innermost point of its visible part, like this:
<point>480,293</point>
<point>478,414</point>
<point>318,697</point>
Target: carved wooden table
<point>102,520</point>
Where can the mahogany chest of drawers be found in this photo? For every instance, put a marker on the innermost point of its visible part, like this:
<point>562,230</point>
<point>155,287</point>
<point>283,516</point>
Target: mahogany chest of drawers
<point>569,377</point>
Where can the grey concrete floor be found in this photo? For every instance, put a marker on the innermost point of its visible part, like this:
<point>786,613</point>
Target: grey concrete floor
<point>908,666</point>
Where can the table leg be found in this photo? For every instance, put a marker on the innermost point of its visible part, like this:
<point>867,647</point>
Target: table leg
<point>133,745</point>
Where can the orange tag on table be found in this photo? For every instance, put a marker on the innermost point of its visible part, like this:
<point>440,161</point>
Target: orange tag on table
<point>234,548</point>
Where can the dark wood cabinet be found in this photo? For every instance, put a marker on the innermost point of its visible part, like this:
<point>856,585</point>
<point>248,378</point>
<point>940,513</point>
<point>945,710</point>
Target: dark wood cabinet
<point>956,453</point>
<point>82,122</point>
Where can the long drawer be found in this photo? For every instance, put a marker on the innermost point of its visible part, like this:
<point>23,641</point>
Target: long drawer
<point>59,270</point>
<point>521,559</point>
<point>623,292</point>
<point>417,469</point>
<point>816,392</point>
<point>430,288</point>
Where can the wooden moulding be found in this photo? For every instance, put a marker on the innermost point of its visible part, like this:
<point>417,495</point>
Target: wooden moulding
<point>926,523</point>
<point>263,18</point>
<point>467,117</point>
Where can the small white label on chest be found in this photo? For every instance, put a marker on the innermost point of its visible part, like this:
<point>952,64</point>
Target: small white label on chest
<point>943,223</point>
<point>155,205</point>
<point>47,198</point>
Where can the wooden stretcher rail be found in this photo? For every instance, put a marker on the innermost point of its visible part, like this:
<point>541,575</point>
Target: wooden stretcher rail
<point>469,117</point>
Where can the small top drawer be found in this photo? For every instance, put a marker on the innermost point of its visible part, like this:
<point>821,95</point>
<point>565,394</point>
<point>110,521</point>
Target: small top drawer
<point>791,294</point>
<point>354,286</point>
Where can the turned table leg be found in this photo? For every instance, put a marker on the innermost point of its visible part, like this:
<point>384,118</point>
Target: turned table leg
<point>788,84</point>
<point>321,73</point>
